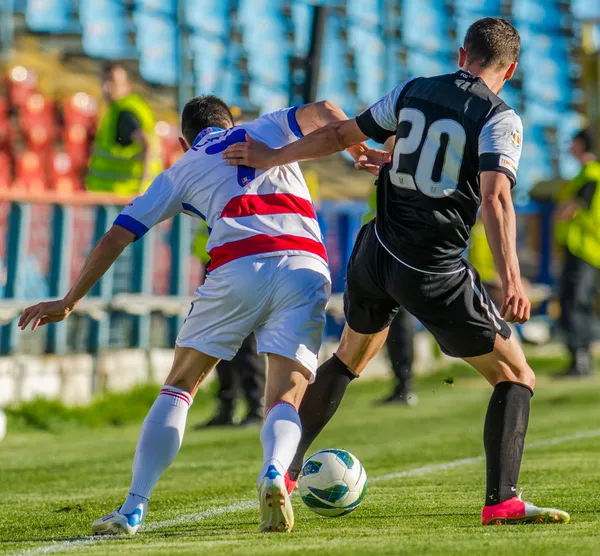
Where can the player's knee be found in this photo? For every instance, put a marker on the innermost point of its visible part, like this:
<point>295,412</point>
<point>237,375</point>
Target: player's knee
<point>521,373</point>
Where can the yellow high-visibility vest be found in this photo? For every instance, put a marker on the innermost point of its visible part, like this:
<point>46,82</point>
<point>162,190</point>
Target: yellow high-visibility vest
<point>581,234</point>
<point>119,169</point>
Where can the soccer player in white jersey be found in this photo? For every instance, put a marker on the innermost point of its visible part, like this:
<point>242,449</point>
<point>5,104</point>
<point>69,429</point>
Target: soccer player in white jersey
<point>268,275</point>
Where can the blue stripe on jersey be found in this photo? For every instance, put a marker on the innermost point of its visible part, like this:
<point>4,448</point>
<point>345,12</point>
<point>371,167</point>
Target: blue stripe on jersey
<point>192,208</point>
<point>293,123</point>
<point>131,224</point>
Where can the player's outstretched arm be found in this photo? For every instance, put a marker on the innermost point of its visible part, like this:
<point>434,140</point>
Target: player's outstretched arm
<point>100,259</point>
<point>329,139</point>
<point>499,219</point>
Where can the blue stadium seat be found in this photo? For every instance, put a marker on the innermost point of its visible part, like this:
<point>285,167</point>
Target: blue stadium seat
<point>487,7</point>
<point>157,44</point>
<point>544,114</point>
<point>366,42</point>
<point>105,29</point>
<point>164,7</point>
<point>369,54</point>
<point>425,64</point>
<point>511,95</point>
<point>426,24</point>
<point>211,16</point>
<point>545,15</point>
<point>267,41</point>
<point>336,74</point>
<point>536,159</point>
<point>209,55</point>
<point>301,22</point>
<point>585,9</point>
<point>50,16</point>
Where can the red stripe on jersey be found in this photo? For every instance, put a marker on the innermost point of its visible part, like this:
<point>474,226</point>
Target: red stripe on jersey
<point>263,244</point>
<point>271,203</point>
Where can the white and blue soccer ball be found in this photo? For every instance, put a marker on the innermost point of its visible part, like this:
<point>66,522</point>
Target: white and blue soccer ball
<point>332,483</point>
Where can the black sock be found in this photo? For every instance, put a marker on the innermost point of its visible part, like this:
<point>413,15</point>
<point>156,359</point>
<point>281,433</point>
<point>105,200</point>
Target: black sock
<point>504,438</point>
<point>321,401</point>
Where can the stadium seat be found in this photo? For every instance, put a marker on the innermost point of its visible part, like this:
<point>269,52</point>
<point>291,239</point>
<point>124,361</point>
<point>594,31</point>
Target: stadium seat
<point>105,29</point>
<point>585,9</point>
<point>266,38</point>
<point>487,7</point>
<point>77,144</point>
<point>546,16</point>
<point>80,109</point>
<point>22,83</point>
<point>30,172</point>
<point>50,16</point>
<point>62,174</point>
<point>37,120</point>
<point>366,42</point>
<point>426,25</point>
<point>169,143</point>
<point>209,59</point>
<point>337,78</point>
<point>301,23</point>
<point>212,19</point>
<point>157,44</point>
<point>163,7</point>
<point>5,171</point>
<point>422,63</point>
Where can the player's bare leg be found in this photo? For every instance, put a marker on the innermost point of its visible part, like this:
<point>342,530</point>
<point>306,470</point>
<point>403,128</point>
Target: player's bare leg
<point>160,439</point>
<point>324,396</point>
<point>286,383</point>
<point>506,369</point>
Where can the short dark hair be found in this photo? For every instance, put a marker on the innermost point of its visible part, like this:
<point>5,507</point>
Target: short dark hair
<point>586,137</point>
<point>111,65</point>
<point>202,112</point>
<point>492,42</point>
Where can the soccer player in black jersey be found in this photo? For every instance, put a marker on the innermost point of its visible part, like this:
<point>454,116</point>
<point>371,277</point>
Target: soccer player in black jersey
<point>457,149</point>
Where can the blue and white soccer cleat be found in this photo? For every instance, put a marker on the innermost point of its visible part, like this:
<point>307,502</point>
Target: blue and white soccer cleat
<point>117,523</point>
<point>276,513</point>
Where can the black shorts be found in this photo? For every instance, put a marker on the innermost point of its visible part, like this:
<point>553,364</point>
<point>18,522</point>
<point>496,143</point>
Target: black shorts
<point>453,307</point>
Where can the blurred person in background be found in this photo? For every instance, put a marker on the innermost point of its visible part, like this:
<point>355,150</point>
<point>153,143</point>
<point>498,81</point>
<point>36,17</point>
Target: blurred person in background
<point>126,153</point>
<point>244,375</point>
<point>578,229</point>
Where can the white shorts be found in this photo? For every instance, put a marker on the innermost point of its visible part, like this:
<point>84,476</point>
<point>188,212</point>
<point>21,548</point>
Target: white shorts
<point>281,299</point>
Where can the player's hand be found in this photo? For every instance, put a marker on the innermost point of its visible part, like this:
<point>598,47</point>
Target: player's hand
<point>43,313</point>
<point>516,306</point>
<point>372,160</point>
<point>251,153</point>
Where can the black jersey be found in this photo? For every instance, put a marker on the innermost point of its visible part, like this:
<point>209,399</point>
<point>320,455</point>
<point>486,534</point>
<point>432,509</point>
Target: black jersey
<point>448,129</point>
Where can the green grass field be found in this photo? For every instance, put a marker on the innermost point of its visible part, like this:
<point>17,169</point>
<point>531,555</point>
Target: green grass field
<point>53,484</point>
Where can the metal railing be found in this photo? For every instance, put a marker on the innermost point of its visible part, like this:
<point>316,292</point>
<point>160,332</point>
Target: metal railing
<point>136,297</point>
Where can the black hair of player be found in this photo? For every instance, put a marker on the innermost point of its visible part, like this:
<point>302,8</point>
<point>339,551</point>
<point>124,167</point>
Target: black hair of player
<point>586,138</point>
<point>492,42</point>
<point>202,112</point>
<point>111,65</point>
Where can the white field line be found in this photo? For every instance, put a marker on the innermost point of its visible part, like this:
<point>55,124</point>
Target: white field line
<point>69,545</point>
<point>469,461</point>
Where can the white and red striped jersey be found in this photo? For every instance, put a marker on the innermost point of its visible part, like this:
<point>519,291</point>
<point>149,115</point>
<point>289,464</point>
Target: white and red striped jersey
<point>247,211</point>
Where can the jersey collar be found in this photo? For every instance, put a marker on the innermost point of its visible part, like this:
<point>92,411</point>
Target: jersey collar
<point>205,132</point>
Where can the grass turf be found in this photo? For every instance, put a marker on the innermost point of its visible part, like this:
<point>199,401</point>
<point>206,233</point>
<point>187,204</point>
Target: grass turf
<point>54,484</point>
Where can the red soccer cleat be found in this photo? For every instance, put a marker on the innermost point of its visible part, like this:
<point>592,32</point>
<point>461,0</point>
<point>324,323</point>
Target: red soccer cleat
<point>515,511</point>
<point>289,484</point>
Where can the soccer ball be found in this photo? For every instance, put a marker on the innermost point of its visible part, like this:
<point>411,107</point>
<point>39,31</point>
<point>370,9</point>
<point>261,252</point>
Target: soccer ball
<point>332,483</point>
<point>2,424</point>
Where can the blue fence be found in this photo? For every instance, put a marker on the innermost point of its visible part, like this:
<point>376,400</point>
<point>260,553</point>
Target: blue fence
<point>26,279</point>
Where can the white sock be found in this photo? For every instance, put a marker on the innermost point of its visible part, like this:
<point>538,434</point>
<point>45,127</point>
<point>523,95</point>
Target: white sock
<point>279,437</point>
<point>160,440</point>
